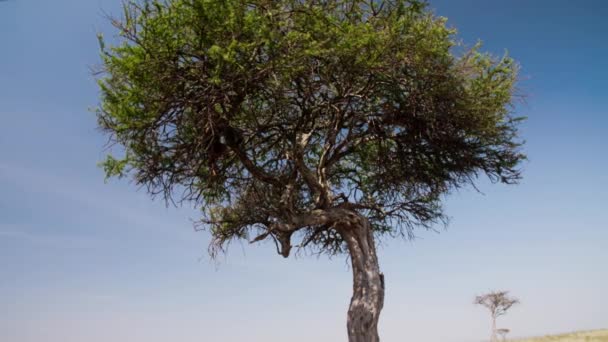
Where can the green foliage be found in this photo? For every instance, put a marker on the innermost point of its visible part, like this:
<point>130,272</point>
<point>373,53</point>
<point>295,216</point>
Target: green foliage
<point>114,167</point>
<point>259,111</point>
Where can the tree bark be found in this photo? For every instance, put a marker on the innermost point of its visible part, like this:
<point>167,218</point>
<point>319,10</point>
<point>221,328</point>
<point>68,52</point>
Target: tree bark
<point>494,337</point>
<point>368,283</point>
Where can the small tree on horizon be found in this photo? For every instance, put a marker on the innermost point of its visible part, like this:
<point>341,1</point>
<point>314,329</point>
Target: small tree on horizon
<point>503,333</point>
<point>498,302</point>
<point>311,124</point>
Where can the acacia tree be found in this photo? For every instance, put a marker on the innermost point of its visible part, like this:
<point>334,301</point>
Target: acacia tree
<point>503,333</point>
<point>498,303</point>
<point>313,124</point>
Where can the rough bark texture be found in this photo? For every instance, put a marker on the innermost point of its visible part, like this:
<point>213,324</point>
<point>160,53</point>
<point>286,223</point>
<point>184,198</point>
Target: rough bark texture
<point>368,283</point>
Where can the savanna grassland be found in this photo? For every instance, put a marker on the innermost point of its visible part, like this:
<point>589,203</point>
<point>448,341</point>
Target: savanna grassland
<point>580,336</point>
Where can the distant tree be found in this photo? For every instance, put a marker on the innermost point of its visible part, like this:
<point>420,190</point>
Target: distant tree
<point>312,124</point>
<point>503,333</point>
<point>498,303</point>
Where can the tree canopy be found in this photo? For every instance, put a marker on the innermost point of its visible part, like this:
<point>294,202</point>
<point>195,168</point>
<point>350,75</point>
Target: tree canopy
<point>274,116</point>
<point>498,302</point>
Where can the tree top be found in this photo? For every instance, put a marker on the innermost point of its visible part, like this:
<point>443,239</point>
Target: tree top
<point>277,118</point>
<point>498,302</point>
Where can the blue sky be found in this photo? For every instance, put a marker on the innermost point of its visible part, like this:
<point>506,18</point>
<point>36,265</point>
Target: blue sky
<point>81,260</point>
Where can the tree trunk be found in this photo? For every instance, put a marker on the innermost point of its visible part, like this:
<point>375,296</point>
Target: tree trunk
<point>368,283</point>
<point>494,337</point>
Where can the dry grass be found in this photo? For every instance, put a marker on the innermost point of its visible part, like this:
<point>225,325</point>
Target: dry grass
<point>580,336</point>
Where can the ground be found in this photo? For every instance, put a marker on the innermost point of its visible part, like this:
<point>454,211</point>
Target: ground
<point>581,336</point>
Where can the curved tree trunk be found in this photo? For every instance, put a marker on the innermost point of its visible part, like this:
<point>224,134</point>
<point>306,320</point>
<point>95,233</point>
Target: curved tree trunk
<point>368,283</point>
